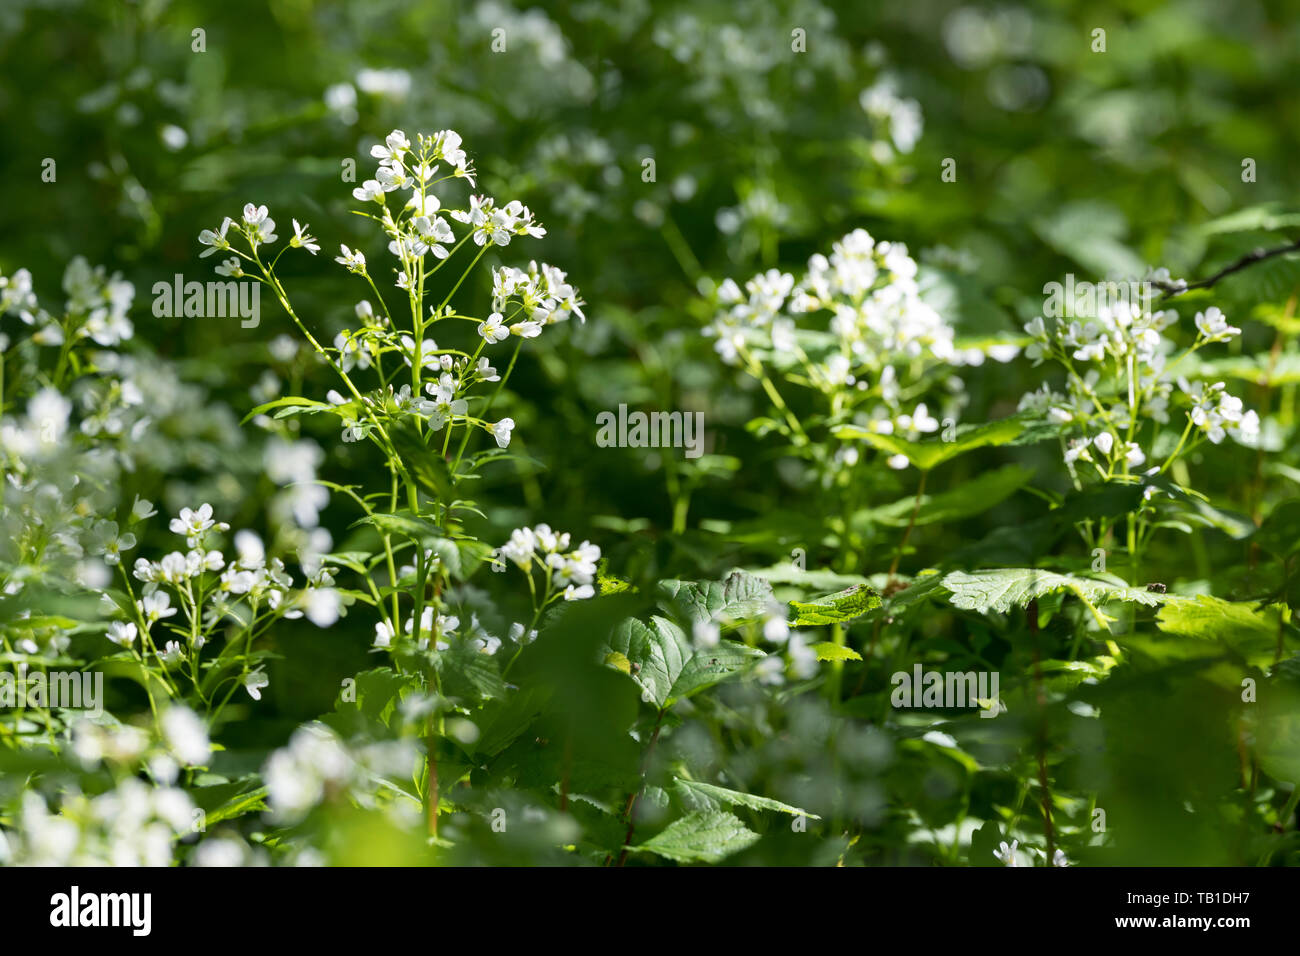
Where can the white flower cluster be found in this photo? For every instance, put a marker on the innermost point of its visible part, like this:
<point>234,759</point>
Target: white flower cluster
<point>1119,374</point>
<point>96,309</point>
<point>899,115</point>
<point>571,570</point>
<point>317,766</point>
<point>870,290</point>
<point>543,294</point>
<point>132,824</point>
<point>855,328</point>
<point>264,585</point>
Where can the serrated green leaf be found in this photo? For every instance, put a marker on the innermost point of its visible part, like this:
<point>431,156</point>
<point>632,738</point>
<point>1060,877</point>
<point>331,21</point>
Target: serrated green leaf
<point>835,608</point>
<point>739,597</point>
<point>665,664</point>
<point>1246,628</point>
<point>1001,589</point>
<point>826,651</point>
<point>702,836</point>
<point>716,794</point>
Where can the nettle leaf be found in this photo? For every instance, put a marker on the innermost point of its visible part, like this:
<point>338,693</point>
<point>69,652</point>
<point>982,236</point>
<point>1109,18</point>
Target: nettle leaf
<point>739,597</point>
<point>703,836</point>
<point>1249,630</point>
<point>378,693</point>
<point>970,498</point>
<point>835,608</point>
<point>826,651</point>
<point>1002,589</point>
<point>469,673</point>
<point>714,795</point>
<point>929,455</point>
<point>460,556</point>
<point>665,664</point>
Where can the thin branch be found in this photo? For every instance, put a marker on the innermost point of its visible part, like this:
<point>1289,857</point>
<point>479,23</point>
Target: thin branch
<point>1172,290</point>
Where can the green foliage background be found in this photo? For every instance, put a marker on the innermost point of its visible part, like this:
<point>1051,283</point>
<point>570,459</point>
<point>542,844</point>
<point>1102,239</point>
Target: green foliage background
<point>1067,160</point>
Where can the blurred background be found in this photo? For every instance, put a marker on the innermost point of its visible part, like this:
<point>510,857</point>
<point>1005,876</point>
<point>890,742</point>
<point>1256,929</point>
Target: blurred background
<point>774,127</point>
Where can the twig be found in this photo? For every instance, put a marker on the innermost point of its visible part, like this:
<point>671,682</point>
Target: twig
<point>631,799</point>
<point>1173,290</point>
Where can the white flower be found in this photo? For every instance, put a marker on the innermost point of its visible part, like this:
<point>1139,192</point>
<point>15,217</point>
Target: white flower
<point>383,636</point>
<point>1059,858</point>
<point>261,227</point>
<point>355,261</point>
<point>1006,854</point>
<point>322,606</point>
<point>1247,430</point>
<point>705,634</point>
<point>254,681</point>
<point>122,632</point>
<point>172,653</point>
<point>185,734</point>
<point>230,267</point>
<point>493,330</point>
<point>526,330</point>
<point>156,606</point>
<point>368,191</point>
<point>193,524</point>
<point>1214,325</point>
<point>301,240</point>
<point>1104,443</point>
<point>395,148</point>
<point>215,240</point>
<point>501,431</point>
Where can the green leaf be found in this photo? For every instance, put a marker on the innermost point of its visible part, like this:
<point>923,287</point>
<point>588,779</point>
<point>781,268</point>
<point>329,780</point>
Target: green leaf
<point>230,807</point>
<point>404,524</point>
<point>427,465</point>
<point>740,596</point>
<point>665,664</point>
<point>715,794</point>
<point>1245,628</point>
<point>969,498</point>
<point>826,651</point>
<point>1001,589</point>
<point>836,608</point>
<point>929,455</point>
<point>292,401</point>
<point>703,836</point>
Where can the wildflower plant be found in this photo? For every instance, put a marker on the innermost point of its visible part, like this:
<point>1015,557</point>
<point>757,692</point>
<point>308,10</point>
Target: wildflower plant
<point>421,403</point>
<point>1127,412</point>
